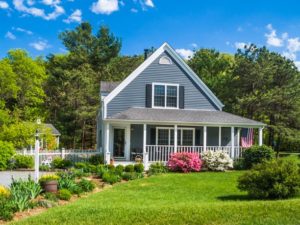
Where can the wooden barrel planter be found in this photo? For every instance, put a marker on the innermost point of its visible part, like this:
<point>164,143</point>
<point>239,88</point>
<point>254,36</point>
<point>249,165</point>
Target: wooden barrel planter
<point>50,186</point>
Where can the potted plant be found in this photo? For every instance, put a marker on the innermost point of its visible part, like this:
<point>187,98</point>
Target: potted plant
<point>49,182</point>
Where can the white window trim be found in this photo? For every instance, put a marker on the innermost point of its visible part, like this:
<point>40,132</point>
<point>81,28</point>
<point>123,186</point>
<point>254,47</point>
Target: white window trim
<point>172,128</point>
<point>166,85</point>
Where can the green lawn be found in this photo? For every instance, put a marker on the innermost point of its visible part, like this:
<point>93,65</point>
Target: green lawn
<point>198,198</point>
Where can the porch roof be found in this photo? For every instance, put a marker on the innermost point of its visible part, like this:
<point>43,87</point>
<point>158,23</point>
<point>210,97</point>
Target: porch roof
<point>182,116</point>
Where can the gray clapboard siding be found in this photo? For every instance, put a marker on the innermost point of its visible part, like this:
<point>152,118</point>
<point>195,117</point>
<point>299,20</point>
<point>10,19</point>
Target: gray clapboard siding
<point>134,94</point>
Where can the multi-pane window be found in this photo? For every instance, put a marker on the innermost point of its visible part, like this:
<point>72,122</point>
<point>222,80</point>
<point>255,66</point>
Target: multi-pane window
<point>185,136</point>
<point>165,95</point>
<point>159,95</point>
<point>172,96</point>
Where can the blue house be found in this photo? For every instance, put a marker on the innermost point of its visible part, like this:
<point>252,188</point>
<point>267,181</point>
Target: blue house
<point>163,107</point>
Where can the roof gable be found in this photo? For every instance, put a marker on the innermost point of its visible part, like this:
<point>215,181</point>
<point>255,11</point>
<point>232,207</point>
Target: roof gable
<point>181,63</point>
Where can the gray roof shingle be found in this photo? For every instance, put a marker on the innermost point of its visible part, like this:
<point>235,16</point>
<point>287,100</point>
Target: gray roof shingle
<point>54,131</point>
<point>108,86</point>
<point>184,116</point>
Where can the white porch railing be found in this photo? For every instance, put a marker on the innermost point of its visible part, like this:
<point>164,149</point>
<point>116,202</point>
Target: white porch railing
<point>161,153</point>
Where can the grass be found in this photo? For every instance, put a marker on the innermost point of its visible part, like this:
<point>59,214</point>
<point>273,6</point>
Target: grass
<point>197,198</point>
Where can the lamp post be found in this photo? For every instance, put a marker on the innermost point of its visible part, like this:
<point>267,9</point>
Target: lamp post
<point>36,156</point>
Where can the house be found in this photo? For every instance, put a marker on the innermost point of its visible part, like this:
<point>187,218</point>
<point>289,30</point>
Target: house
<point>163,107</point>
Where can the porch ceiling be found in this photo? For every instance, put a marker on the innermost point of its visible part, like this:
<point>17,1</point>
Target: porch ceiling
<point>181,116</point>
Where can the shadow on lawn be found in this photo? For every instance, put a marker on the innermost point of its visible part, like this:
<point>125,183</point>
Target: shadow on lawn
<point>235,198</point>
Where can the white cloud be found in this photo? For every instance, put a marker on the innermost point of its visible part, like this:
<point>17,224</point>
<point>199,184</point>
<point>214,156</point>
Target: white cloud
<point>149,3</point>
<point>194,45</point>
<point>185,53</point>
<point>4,5</point>
<point>10,35</point>
<point>134,10</point>
<point>105,6</point>
<point>58,10</point>
<point>76,16</point>
<point>23,30</point>
<point>297,63</point>
<point>289,55</point>
<point>293,44</point>
<point>272,38</point>
<point>30,2</point>
<point>227,42</point>
<point>40,45</point>
<point>241,45</point>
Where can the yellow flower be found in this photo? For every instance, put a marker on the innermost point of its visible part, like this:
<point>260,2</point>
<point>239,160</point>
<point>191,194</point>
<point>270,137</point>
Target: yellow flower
<point>4,191</point>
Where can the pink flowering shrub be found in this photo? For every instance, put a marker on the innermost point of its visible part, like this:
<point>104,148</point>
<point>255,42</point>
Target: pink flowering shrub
<point>184,162</point>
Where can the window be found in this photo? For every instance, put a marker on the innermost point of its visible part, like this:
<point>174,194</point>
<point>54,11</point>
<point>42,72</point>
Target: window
<point>185,136</point>
<point>165,60</point>
<point>165,95</point>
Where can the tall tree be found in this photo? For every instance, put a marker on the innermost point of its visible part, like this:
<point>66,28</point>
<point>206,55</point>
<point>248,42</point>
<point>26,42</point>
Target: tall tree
<point>215,69</point>
<point>74,81</point>
<point>267,88</point>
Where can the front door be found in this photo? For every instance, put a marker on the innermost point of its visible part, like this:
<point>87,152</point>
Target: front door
<point>119,142</point>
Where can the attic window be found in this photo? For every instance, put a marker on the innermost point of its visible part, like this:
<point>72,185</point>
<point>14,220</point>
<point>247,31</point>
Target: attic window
<point>165,60</point>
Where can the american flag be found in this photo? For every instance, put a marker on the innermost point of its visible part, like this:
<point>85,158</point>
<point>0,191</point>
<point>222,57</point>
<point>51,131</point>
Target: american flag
<point>247,137</point>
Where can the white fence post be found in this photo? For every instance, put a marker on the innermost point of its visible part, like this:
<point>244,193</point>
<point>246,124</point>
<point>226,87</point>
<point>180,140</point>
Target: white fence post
<point>146,160</point>
<point>63,152</point>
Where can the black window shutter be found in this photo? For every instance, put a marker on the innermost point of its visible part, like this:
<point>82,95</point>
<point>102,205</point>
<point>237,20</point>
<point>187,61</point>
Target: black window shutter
<point>197,137</point>
<point>148,95</point>
<point>181,97</point>
<point>152,136</point>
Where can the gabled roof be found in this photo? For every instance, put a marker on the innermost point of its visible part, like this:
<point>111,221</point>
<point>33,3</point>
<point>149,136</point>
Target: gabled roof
<point>54,131</point>
<point>165,47</point>
<point>184,116</point>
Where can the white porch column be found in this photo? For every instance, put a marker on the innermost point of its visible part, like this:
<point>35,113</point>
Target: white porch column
<point>204,137</point>
<point>232,142</point>
<point>238,137</point>
<point>260,136</point>
<point>175,137</point>
<point>145,153</point>
<point>220,136</point>
<point>107,152</point>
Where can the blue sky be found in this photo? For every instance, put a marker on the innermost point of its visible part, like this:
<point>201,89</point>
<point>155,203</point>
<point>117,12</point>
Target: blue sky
<point>34,25</point>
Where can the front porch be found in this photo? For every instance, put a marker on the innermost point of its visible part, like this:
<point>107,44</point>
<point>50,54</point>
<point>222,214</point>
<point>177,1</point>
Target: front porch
<point>151,142</point>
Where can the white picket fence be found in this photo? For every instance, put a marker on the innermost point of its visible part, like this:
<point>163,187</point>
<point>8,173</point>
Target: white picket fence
<point>74,155</point>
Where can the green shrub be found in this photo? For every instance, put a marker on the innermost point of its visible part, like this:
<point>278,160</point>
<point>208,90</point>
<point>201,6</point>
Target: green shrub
<point>6,209</point>
<point>132,175</point>
<point>111,167</point>
<point>257,154</point>
<point>271,180</point>
<point>239,164</point>
<point>96,159</point>
<point>66,182</point>
<point>100,170</point>
<point>86,185</point>
<point>139,167</point>
<point>110,178</point>
<point>45,168</point>
<point>76,189</point>
<point>6,152</point>
<point>23,161</point>
<point>51,196</point>
<point>79,173</point>
<point>23,192</point>
<point>119,169</point>
<point>80,165</point>
<point>129,168</point>
<point>64,194</point>
<point>59,163</point>
<point>157,168</point>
